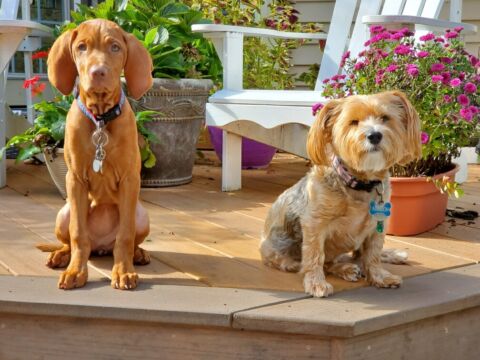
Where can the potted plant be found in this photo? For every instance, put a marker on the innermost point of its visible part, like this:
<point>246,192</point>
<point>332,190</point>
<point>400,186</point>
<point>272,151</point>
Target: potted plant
<point>441,80</point>
<point>185,67</point>
<point>47,133</point>
<point>266,61</point>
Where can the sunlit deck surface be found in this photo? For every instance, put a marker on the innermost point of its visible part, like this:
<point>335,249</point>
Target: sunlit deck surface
<point>206,279</point>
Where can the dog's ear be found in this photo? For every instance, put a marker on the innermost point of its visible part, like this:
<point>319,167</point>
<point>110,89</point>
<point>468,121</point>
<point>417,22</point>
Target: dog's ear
<point>320,134</point>
<point>62,71</point>
<point>138,68</point>
<point>413,146</point>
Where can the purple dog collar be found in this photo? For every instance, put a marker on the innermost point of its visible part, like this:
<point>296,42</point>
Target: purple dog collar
<point>351,181</point>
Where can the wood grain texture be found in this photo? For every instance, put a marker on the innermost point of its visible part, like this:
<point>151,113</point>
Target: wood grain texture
<point>205,237</point>
<point>57,338</point>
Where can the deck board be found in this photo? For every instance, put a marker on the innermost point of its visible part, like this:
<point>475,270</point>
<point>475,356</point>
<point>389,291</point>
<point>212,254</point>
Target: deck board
<point>204,237</point>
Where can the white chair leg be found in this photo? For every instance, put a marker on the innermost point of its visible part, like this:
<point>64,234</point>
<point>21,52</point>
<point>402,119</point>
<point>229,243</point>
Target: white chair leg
<point>231,162</point>
<point>3,161</point>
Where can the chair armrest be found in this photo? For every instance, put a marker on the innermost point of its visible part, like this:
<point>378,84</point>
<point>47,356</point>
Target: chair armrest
<point>215,30</point>
<point>407,20</point>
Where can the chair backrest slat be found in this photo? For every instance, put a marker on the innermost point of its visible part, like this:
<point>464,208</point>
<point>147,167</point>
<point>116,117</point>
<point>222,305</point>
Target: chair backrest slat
<point>341,24</point>
<point>392,7</point>
<point>413,7</point>
<point>432,8</point>
<point>337,38</point>
<point>359,34</point>
<point>9,9</point>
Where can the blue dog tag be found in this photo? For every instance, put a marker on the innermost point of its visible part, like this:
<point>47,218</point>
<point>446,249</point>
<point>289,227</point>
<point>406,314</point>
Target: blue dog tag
<point>380,211</point>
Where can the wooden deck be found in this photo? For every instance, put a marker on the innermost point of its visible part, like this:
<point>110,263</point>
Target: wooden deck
<point>206,282</point>
<point>201,236</point>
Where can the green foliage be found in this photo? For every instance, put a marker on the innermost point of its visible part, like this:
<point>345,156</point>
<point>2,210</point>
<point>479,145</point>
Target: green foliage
<point>164,28</point>
<point>447,186</point>
<point>148,157</point>
<point>266,61</point>
<point>48,130</point>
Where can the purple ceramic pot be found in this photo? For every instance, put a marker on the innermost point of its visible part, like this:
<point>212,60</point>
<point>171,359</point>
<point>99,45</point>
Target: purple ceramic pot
<point>255,155</point>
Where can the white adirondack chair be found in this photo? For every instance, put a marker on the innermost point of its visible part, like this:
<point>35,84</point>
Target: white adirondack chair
<point>282,117</point>
<point>12,33</point>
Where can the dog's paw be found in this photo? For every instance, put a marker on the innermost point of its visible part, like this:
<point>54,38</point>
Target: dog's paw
<point>316,285</point>
<point>58,259</point>
<point>123,280</point>
<point>349,272</point>
<point>141,256</point>
<point>394,256</point>
<point>72,278</point>
<point>381,278</point>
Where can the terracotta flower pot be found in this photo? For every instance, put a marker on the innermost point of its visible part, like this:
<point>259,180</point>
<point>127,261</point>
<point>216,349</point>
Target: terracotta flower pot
<point>417,205</point>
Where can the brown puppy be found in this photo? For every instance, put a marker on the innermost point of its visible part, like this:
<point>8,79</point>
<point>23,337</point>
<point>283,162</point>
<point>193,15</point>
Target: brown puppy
<point>102,212</point>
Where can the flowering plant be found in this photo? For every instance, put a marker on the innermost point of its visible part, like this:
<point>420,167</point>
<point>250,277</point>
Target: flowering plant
<point>48,129</point>
<point>438,75</point>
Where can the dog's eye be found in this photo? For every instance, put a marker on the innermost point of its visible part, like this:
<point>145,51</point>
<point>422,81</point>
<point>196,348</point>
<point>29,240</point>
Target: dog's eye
<point>82,47</point>
<point>385,118</point>
<point>115,48</point>
<point>354,122</point>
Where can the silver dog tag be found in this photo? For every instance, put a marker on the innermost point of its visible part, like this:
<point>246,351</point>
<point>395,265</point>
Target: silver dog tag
<point>97,165</point>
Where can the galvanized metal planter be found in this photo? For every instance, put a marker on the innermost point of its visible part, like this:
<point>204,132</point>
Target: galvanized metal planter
<point>57,167</point>
<point>182,107</point>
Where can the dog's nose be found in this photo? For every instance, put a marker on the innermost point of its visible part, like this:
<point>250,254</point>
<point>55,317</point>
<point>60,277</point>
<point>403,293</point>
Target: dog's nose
<point>98,71</point>
<point>375,137</point>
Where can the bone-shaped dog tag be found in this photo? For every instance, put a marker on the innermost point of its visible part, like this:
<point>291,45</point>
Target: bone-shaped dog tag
<point>380,211</point>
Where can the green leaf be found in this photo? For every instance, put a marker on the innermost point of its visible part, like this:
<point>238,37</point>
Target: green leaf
<point>151,37</point>
<point>27,152</point>
<point>151,161</point>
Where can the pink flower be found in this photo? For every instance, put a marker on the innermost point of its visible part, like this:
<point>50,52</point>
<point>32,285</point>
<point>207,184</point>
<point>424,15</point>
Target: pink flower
<point>455,82</point>
<point>466,114</point>
<point>316,108</point>
<point>451,34</point>
<point>422,54</point>
<point>446,77</point>
<point>402,50</point>
<point>474,61</point>
<point>458,28</point>
<point>447,98</point>
<point>326,81</point>
<point>470,88</point>
<point>473,109</point>
<point>397,36</point>
<point>425,137</point>
<point>461,76</point>
<point>446,60</point>
<point>344,58</point>
<point>439,40</point>
<point>463,100</point>
<point>437,67</point>
<point>412,69</point>
<point>437,78</point>
<point>427,37</point>
<point>376,29</point>
<point>359,65</point>
<point>391,68</point>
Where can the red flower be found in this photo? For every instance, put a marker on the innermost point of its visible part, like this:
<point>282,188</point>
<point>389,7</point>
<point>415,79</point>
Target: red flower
<point>37,89</point>
<point>40,55</point>
<point>30,82</point>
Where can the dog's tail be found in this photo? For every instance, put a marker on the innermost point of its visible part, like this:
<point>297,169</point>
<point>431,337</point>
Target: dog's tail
<point>48,247</point>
